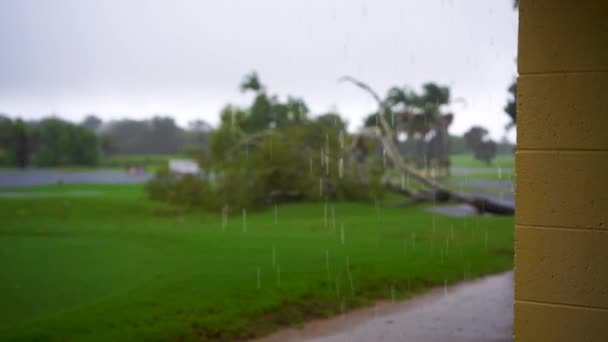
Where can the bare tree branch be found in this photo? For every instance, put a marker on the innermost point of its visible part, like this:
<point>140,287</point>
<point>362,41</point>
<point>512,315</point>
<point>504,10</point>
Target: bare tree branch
<point>387,139</point>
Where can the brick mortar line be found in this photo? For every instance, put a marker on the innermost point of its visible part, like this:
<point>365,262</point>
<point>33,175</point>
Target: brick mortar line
<point>568,72</point>
<point>562,305</point>
<point>588,229</point>
<point>565,150</point>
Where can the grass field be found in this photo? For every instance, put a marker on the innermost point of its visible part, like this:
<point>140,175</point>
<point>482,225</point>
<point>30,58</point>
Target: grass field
<point>116,266</point>
<point>150,162</point>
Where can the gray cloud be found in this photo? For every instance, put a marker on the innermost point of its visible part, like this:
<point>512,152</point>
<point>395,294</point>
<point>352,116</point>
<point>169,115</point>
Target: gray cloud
<point>136,58</point>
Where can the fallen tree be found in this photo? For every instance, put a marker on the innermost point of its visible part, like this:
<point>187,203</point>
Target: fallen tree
<point>433,188</point>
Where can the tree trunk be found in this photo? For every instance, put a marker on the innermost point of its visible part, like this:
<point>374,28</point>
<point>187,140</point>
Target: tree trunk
<point>386,134</point>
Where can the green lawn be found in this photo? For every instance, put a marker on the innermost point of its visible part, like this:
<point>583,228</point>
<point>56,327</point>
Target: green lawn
<point>116,266</point>
<point>151,162</point>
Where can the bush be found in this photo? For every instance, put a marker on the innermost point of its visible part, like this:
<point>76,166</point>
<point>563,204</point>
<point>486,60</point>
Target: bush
<point>189,191</point>
<point>283,165</point>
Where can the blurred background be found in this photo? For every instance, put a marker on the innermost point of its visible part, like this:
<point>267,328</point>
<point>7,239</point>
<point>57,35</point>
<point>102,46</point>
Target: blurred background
<point>157,156</point>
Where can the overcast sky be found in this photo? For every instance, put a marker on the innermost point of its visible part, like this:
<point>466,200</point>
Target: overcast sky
<point>127,58</point>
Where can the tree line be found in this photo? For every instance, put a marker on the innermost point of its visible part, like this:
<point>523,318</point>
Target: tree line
<point>53,141</point>
<point>419,118</point>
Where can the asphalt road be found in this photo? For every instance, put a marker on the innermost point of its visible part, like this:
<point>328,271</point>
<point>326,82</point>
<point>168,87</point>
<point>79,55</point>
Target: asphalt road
<point>28,177</point>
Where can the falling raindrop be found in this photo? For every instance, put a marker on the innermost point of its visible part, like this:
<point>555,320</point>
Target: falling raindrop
<point>311,166</point>
<point>338,285</point>
<point>327,267</point>
<point>259,279</point>
<point>333,217</point>
<point>320,187</point>
<point>271,148</point>
<point>341,139</point>
<point>486,240</point>
<point>342,232</point>
<point>341,168</point>
<point>244,220</point>
<point>325,219</point>
<point>383,157</point>
<point>224,217</point>
<point>499,172</point>
<point>445,287</point>
<point>402,181</point>
<point>322,158</point>
<point>413,240</point>
<point>350,277</point>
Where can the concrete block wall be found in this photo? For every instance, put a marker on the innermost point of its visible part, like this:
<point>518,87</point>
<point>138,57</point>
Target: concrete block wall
<point>561,233</point>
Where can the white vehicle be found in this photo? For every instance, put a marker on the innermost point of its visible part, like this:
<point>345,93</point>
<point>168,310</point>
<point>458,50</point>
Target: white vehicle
<point>184,167</point>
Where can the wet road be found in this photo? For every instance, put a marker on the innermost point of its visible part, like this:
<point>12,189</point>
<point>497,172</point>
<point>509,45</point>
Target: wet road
<point>506,185</point>
<point>28,177</point>
<point>479,310</point>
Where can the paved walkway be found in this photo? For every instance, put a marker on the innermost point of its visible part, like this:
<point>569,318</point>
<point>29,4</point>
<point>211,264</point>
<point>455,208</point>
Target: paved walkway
<point>479,310</point>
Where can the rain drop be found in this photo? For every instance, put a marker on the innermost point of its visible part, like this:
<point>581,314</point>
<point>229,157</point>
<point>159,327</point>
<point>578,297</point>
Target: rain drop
<point>259,279</point>
<point>244,220</point>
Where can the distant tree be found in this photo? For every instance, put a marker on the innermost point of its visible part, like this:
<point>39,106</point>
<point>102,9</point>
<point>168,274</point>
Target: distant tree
<point>437,191</point>
<point>251,82</point>
<point>511,106</point>
<point>474,136</point>
<point>486,151</point>
<point>92,122</point>
<point>158,135</point>
<point>266,111</point>
<point>58,142</point>
<point>419,116</point>
<point>331,119</point>
<point>7,143</point>
<point>457,145</point>
<point>198,132</point>
<point>21,142</point>
<point>478,142</point>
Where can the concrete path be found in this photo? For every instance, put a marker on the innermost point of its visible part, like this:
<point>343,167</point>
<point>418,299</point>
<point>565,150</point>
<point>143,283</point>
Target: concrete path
<point>479,310</point>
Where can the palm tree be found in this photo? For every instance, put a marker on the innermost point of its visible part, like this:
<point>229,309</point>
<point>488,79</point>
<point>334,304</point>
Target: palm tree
<point>251,82</point>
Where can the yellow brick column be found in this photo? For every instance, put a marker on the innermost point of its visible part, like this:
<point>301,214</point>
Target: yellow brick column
<point>561,234</point>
